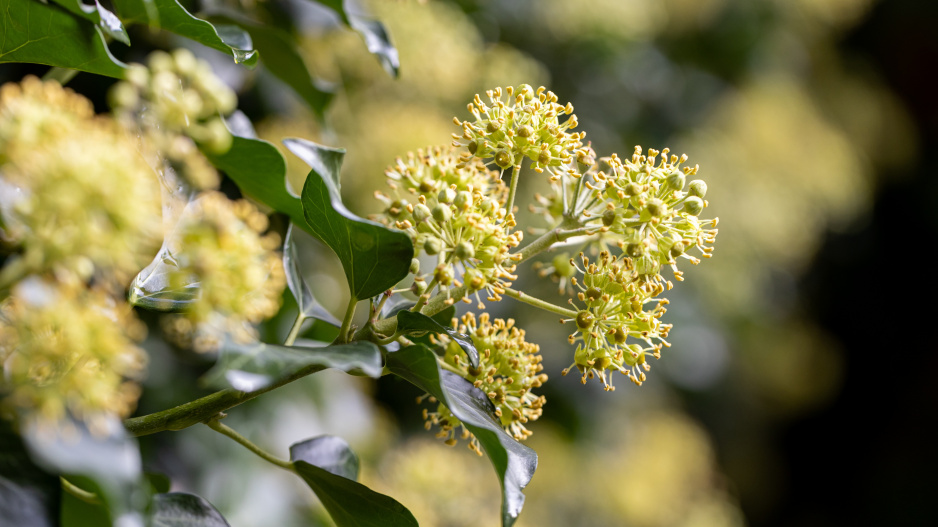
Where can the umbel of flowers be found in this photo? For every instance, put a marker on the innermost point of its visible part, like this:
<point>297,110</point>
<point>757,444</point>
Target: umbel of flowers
<point>82,204</point>
<point>635,216</point>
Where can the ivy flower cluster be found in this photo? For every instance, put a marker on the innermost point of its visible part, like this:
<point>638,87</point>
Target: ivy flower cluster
<point>65,190</point>
<point>219,244</point>
<point>525,124</point>
<point>177,102</point>
<point>509,368</point>
<point>633,217</point>
<point>69,351</point>
<point>454,213</point>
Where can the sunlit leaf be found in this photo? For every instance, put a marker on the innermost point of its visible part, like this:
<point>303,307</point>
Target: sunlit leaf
<point>178,509</point>
<point>107,456</point>
<point>409,321</point>
<point>374,257</point>
<point>31,31</point>
<point>324,464</point>
<point>514,463</point>
<point>28,495</point>
<point>171,16</point>
<point>251,367</point>
<point>305,300</point>
<point>96,14</point>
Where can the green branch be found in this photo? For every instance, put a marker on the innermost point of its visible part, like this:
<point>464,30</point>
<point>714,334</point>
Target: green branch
<point>538,303</point>
<point>216,425</point>
<point>80,493</point>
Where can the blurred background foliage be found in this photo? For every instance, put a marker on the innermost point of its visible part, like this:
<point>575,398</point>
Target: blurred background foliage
<point>782,400</point>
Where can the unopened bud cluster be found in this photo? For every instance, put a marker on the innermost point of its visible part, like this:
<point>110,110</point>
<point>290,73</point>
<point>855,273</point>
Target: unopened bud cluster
<point>178,102</point>
<point>219,245</point>
<point>509,368</point>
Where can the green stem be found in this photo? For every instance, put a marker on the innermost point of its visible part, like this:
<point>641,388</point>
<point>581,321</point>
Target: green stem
<point>201,410</point>
<point>347,321</point>
<point>512,188</point>
<point>295,330</point>
<point>63,75</point>
<point>80,493</point>
<point>223,429</point>
<point>538,303</point>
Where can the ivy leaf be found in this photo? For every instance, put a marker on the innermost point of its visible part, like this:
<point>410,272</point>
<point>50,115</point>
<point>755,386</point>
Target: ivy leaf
<point>374,257</point>
<point>96,14</point>
<point>410,321</point>
<point>179,509</point>
<point>171,16</point>
<point>325,463</point>
<point>305,300</point>
<point>260,171</point>
<point>372,31</point>
<point>514,463</point>
<point>28,495</point>
<point>109,457</point>
<point>329,453</point>
<point>280,56</point>
<point>248,368</point>
<point>47,34</point>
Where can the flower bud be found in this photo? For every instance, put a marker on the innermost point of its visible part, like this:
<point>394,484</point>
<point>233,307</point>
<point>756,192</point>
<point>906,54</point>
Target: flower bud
<point>584,320</point>
<point>418,287</point>
<point>447,195</point>
<point>421,212</point>
<point>633,189</point>
<point>463,200</point>
<point>525,131</point>
<point>503,158</point>
<point>443,274</point>
<point>432,246</point>
<point>544,157</point>
<point>698,187</point>
<point>441,213</point>
<point>414,266</point>
<point>693,205</point>
<point>562,266</point>
<point>609,217</point>
<point>464,250</point>
<point>656,208</point>
<point>676,180</point>
<point>474,279</point>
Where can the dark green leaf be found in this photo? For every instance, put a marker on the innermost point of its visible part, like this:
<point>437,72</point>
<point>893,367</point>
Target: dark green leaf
<point>178,509</point>
<point>374,257</point>
<point>31,31</point>
<point>248,368</point>
<point>171,16</point>
<point>409,321</point>
<point>349,503</point>
<point>259,170</point>
<point>159,483</point>
<point>328,453</point>
<point>373,32</point>
<point>28,495</point>
<point>281,57</point>
<point>514,463</point>
<point>108,456</point>
<point>305,300</point>
<point>96,14</point>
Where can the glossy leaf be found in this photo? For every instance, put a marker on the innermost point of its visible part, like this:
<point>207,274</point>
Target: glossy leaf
<point>374,257</point>
<point>514,463</point>
<point>48,34</point>
<point>109,457</point>
<point>260,171</point>
<point>178,509</point>
<point>372,31</point>
<point>248,368</point>
<point>28,495</point>
<point>96,14</point>
<point>409,321</point>
<point>280,56</point>
<point>171,16</point>
<point>151,288</point>
<point>349,503</point>
<point>328,453</point>
<point>305,300</point>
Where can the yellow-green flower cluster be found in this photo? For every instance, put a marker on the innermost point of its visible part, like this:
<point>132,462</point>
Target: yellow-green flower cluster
<point>652,212</point>
<point>177,102</point>
<point>454,212</point>
<point>509,368</point>
<point>219,245</point>
<point>68,351</point>
<point>76,200</point>
<point>526,124</point>
<point>614,295</point>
